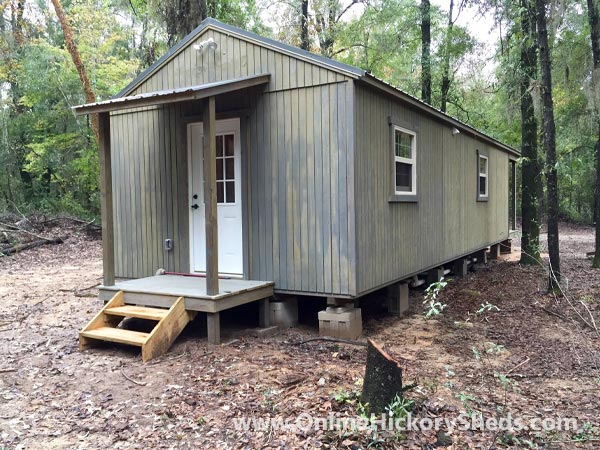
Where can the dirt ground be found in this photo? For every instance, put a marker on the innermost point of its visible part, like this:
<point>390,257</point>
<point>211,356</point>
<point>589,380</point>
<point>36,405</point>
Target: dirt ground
<point>527,354</point>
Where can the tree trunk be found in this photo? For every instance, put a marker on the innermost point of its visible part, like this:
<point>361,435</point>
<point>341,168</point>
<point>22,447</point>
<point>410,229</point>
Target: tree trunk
<point>426,51</point>
<point>383,379</point>
<point>530,173</point>
<point>446,64</point>
<point>304,40</point>
<point>549,141</point>
<point>594,20</point>
<point>90,97</point>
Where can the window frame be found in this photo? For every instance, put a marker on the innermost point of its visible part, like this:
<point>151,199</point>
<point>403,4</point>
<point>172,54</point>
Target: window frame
<point>483,155</point>
<point>404,196</point>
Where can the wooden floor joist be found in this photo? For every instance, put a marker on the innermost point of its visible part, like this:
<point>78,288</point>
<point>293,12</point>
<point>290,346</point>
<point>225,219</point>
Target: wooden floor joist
<point>104,326</point>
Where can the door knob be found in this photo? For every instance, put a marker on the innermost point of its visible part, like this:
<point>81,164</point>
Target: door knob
<point>195,206</point>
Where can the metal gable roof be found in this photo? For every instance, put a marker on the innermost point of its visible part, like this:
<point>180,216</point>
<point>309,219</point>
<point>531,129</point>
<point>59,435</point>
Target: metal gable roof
<point>173,95</point>
<point>318,60</point>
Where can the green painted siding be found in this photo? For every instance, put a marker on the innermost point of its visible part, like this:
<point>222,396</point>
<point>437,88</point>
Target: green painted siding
<point>299,171</point>
<point>302,189</point>
<point>317,161</point>
<point>395,240</point>
<point>150,191</point>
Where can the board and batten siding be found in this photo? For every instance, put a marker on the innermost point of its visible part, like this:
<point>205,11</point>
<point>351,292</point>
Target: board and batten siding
<point>302,189</point>
<point>234,58</point>
<point>298,140</point>
<point>149,191</point>
<point>395,240</point>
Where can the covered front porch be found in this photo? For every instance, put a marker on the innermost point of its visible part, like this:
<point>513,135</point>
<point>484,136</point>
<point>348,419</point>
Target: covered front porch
<point>206,290</point>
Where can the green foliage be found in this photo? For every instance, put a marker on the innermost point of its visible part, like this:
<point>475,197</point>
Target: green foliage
<point>433,306</point>
<point>486,307</point>
<point>48,156</point>
<point>345,396</point>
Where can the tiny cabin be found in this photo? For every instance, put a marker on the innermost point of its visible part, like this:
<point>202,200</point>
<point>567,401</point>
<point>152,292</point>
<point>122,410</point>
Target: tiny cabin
<point>239,167</point>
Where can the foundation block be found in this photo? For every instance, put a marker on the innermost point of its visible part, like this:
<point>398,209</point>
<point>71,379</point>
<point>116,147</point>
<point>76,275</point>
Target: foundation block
<point>340,322</point>
<point>435,275</point>
<point>460,267</point>
<point>506,247</point>
<point>397,298</point>
<point>284,312</point>
<point>495,251</point>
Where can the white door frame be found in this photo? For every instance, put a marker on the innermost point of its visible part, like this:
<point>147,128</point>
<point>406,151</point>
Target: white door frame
<point>224,126</point>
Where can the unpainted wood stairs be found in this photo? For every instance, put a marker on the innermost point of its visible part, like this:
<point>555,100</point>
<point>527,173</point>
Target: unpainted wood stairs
<point>169,324</point>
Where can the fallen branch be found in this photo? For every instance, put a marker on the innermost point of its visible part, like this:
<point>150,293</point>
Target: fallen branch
<point>567,319</point>
<point>329,339</point>
<point>555,314</point>
<point>139,383</point>
<point>9,369</point>
<point>517,366</point>
<point>16,229</point>
<point>22,247</point>
<point>41,301</point>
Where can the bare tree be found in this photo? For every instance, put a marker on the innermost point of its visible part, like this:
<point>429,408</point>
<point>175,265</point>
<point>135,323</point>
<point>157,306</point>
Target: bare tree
<point>530,243</point>
<point>426,51</point>
<point>549,142</point>
<point>304,38</point>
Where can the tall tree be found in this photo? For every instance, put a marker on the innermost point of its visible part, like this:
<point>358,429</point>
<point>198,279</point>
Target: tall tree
<point>304,37</point>
<point>530,243</point>
<point>426,51</point>
<point>90,97</point>
<point>549,142</point>
<point>594,21</point>
<point>446,60</point>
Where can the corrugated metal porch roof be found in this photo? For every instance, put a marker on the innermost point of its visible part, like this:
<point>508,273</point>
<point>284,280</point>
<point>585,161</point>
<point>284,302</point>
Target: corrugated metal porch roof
<point>173,95</point>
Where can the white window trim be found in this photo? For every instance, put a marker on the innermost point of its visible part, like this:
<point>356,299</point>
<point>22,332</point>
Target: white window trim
<point>412,161</point>
<point>485,175</point>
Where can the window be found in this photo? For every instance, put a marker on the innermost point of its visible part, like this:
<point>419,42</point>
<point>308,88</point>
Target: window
<point>483,177</point>
<point>225,169</point>
<point>405,162</point>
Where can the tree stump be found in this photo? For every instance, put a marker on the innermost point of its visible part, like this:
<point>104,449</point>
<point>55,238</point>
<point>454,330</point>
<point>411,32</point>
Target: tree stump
<point>383,379</point>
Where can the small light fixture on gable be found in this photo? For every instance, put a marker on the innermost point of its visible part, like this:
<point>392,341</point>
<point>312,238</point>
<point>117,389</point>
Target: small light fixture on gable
<point>209,43</point>
<point>455,131</point>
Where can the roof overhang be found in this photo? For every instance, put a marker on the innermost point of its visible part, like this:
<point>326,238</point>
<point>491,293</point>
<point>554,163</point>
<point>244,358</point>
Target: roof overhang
<point>440,115</point>
<point>173,95</point>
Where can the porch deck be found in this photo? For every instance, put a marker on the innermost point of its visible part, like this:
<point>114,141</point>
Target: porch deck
<point>163,290</point>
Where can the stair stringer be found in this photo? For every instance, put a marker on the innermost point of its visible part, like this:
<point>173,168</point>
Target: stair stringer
<point>166,331</point>
<point>102,320</point>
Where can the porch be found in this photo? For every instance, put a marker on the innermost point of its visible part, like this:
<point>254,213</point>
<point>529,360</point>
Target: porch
<point>137,225</point>
<point>162,291</point>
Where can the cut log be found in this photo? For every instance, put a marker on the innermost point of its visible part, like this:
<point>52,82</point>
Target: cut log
<point>21,247</point>
<point>383,379</point>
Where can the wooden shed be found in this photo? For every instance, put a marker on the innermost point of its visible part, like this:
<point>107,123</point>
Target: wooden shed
<point>321,179</point>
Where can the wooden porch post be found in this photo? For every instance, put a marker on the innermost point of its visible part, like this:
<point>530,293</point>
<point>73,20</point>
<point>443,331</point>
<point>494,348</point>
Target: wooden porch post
<point>210,197</point>
<point>106,199</point>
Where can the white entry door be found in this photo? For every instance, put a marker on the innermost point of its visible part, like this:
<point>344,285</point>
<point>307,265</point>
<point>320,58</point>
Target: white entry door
<point>229,197</point>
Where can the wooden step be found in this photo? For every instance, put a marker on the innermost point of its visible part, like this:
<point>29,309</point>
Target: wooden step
<point>117,335</point>
<point>139,312</point>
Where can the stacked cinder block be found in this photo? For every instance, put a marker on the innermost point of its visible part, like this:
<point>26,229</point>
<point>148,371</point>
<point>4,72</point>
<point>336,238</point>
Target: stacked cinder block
<point>341,322</point>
